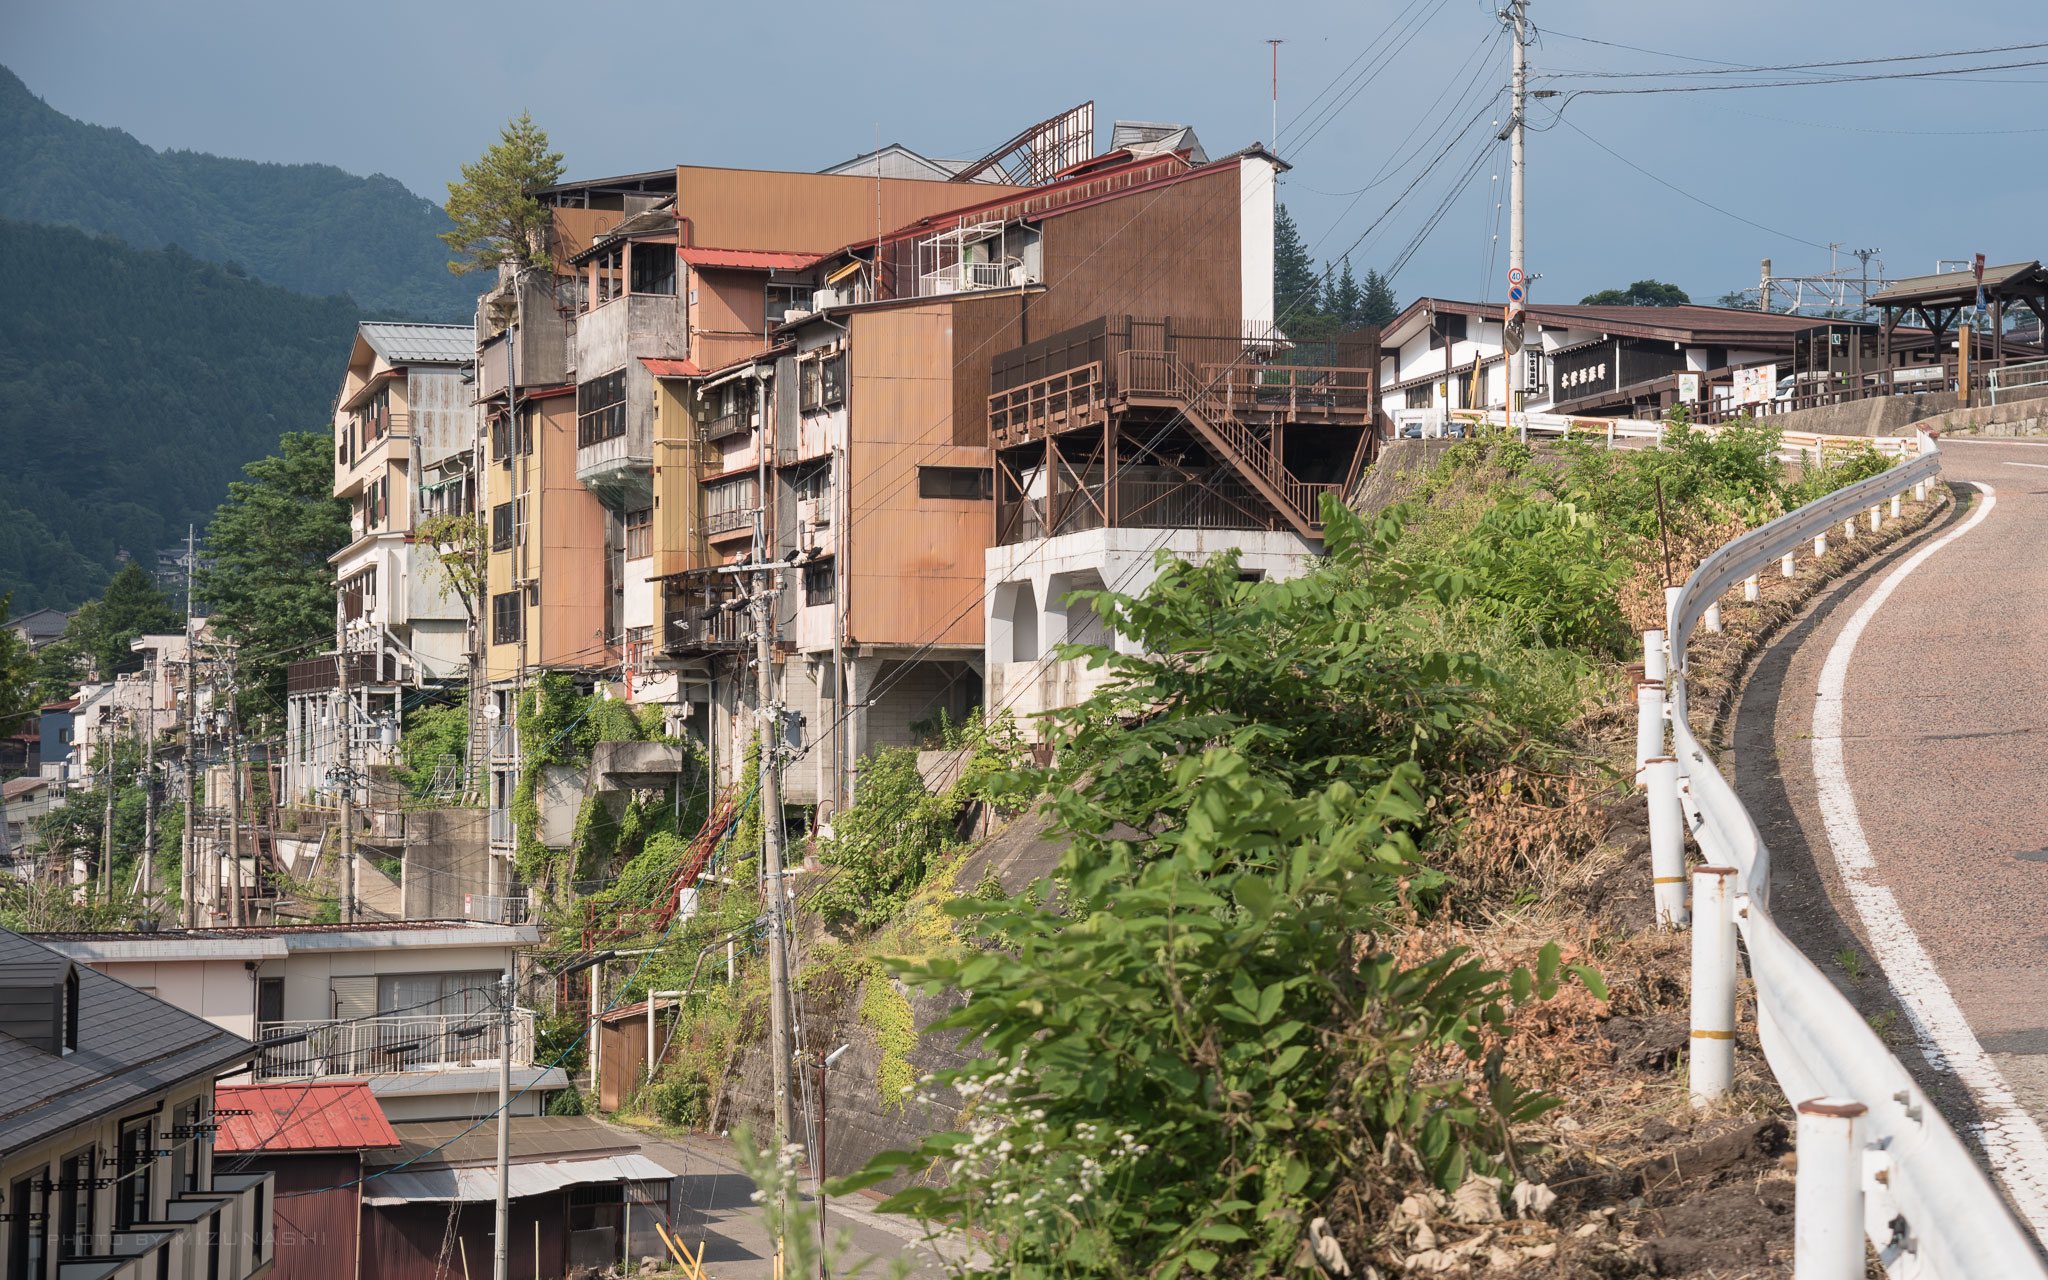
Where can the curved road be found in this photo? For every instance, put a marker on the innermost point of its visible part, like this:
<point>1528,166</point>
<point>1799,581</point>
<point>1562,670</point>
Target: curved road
<point>1894,748</point>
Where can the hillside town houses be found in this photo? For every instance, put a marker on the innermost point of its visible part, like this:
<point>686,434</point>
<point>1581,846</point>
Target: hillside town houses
<point>846,452</point>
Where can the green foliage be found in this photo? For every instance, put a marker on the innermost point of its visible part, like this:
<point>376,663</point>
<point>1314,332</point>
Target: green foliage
<point>568,1102</point>
<point>1838,469</point>
<point>460,552</point>
<point>17,676</point>
<point>560,1039</point>
<point>1314,304</point>
<point>496,217</point>
<point>1643,293</point>
<point>271,587</point>
<point>1732,473</point>
<point>885,1011</point>
<point>1137,1110</point>
<point>432,735</point>
<point>131,606</point>
<point>306,227</point>
<point>682,1101</point>
<point>132,393</point>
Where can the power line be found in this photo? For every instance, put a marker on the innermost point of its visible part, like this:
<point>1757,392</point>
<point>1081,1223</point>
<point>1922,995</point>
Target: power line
<point>1742,69</point>
<point>1699,200</point>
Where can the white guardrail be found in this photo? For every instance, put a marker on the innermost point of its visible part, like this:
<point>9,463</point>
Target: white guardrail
<point>1876,1158</point>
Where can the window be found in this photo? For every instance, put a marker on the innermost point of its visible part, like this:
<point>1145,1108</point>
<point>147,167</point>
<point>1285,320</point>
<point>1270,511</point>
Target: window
<point>436,993</point>
<point>507,619</point>
<point>601,409</point>
<point>185,1149</point>
<point>501,527</point>
<point>75,1204</point>
<point>968,483</point>
<point>821,582</point>
<point>27,1242</point>
<point>640,534</point>
<point>822,383</point>
<point>654,269</point>
<point>778,300</point>
<point>811,385</point>
<point>138,1164</point>
<point>729,506</point>
<point>834,375</point>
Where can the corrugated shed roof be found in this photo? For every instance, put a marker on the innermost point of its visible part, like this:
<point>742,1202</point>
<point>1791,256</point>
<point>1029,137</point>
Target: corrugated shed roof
<point>318,1115</point>
<point>746,259</point>
<point>455,1142</point>
<point>130,1046</point>
<point>662,368</point>
<point>525,1178</point>
<point>1950,283</point>
<point>420,343</point>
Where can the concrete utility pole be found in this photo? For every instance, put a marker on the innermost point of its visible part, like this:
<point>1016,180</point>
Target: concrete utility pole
<point>148,870</point>
<point>237,910</point>
<point>1516,16</point>
<point>345,728</point>
<point>501,1260</point>
<point>770,722</point>
<point>112,748</point>
<point>187,881</point>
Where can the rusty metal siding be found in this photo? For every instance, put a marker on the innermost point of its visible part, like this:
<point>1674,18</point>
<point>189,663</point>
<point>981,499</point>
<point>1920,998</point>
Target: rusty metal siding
<point>678,472</point>
<point>1169,252</point>
<point>914,566</point>
<point>315,1216</point>
<point>404,1242</point>
<point>569,538</point>
<point>808,212</point>
<point>982,329</point>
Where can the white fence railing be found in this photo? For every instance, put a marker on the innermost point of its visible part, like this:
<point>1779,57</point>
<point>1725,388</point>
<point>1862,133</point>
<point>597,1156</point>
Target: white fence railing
<point>1793,446</point>
<point>394,1042</point>
<point>1873,1148</point>
<point>2013,377</point>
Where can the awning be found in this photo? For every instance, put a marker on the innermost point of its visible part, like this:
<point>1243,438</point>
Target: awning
<point>745,259</point>
<point>535,1177</point>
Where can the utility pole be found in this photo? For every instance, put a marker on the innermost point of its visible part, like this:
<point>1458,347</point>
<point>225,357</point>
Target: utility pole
<point>1763,287</point>
<point>770,725</point>
<point>345,727</point>
<point>501,1261</point>
<point>1516,15</point>
<point>112,747</point>
<point>237,908</point>
<point>148,884</point>
<point>187,882</point>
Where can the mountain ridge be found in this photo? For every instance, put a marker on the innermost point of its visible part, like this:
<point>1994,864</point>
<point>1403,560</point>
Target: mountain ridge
<point>312,228</point>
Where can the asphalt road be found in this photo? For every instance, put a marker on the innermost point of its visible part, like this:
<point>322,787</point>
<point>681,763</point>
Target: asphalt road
<point>1916,872</point>
<point>718,1212</point>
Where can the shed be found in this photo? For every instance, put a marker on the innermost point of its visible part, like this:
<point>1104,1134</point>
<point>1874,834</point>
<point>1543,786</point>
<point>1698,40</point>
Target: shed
<point>313,1135</point>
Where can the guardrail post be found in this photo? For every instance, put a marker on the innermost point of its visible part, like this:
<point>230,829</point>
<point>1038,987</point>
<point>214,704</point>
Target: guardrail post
<point>1649,724</point>
<point>1820,544</point>
<point>1920,491</point>
<point>1667,841</point>
<point>1711,619</point>
<point>1751,588</point>
<point>1713,983</point>
<point>1827,1200</point>
<point>1656,658</point>
<point>1875,523</point>
<point>1671,595</point>
<point>1895,506</point>
<point>1786,566</point>
<point>1849,529</point>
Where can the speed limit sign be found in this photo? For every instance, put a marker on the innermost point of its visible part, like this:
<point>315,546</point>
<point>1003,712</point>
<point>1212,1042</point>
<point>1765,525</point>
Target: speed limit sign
<point>1514,275</point>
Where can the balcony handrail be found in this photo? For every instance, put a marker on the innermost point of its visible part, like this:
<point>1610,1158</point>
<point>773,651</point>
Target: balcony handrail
<point>383,1043</point>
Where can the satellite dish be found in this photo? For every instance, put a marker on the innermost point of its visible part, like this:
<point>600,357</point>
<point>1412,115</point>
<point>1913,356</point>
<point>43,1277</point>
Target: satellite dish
<point>491,713</point>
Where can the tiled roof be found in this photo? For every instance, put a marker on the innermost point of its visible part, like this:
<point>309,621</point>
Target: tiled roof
<point>130,1046</point>
<point>16,788</point>
<point>421,343</point>
<point>320,1115</point>
<point>746,259</point>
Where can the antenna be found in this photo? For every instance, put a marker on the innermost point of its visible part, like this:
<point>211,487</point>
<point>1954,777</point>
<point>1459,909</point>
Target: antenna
<point>1276,93</point>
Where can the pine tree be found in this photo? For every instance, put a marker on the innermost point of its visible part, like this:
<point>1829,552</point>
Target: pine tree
<point>1345,300</point>
<point>100,632</point>
<point>1296,289</point>
<point>496,217</point>
<point>1377,306</point>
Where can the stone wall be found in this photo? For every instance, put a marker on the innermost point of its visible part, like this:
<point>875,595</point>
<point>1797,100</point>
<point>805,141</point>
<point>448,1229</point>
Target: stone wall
<point>447,857</point>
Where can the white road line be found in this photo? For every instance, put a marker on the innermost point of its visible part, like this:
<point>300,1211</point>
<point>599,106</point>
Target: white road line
<point>2038,466</point>
<point>1946,441</point>
<point>2013,1142</point>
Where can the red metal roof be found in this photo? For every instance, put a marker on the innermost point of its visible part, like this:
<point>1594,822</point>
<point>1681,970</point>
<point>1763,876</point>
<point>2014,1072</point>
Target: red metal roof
<point>661,368</point>
<point>326,1115</point>
<point>745,259</point>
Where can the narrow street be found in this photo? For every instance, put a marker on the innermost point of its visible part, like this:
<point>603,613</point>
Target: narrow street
<point>719,1213</point>
<point>1892,747</point>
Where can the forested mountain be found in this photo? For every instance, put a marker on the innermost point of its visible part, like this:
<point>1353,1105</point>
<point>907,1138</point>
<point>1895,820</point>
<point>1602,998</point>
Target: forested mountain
<point>134,384</point>
<point>309,227</point>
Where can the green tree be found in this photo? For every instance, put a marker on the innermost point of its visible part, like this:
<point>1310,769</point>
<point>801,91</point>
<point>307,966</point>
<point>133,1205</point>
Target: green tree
<point>101,631</point>
<point>270,587</point>
<point>17,676</point>
<point>1378,305</point>
<point>1296,287</point>
<point>497,219</point>
<point>1345,301</point>
<point>1643,293</point>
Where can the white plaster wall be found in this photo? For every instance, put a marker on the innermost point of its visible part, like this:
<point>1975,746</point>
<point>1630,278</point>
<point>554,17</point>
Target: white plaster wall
<point>1255,242</point>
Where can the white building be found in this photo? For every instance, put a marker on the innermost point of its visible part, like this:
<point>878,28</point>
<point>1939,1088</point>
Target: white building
<point>406,1005</point>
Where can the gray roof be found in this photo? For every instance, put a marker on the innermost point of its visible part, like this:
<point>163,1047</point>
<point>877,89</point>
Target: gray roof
<point>421,343</point>
<point>1947,284</point>
<point>130,1046</point>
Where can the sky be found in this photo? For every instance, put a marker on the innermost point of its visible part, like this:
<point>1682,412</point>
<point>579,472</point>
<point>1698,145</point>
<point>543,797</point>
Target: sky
<point>1619,184</point>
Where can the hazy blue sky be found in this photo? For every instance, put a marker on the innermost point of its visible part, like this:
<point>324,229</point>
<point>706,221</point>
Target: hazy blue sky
<point>1919,168</point>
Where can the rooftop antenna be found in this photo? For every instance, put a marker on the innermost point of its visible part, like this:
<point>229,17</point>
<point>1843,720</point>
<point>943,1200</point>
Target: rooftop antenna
<point>1276,93</point>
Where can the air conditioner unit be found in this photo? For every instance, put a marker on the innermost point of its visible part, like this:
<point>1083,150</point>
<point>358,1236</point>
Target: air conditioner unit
<point>824,298</point>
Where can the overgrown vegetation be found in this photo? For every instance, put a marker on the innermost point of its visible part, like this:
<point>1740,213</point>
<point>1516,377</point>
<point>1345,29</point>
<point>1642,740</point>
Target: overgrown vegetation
<point>1238,1009</point>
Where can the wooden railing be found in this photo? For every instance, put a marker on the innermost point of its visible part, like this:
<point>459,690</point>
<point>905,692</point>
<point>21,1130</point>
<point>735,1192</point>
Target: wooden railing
<point>1057,398</point>
<point>1160,373</point>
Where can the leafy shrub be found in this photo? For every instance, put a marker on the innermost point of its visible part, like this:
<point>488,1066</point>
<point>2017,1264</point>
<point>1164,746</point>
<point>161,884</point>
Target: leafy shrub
<point>568,1102</point>
<point>682,1101</point>
<point>432,734</point>
<point>882,848</point>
